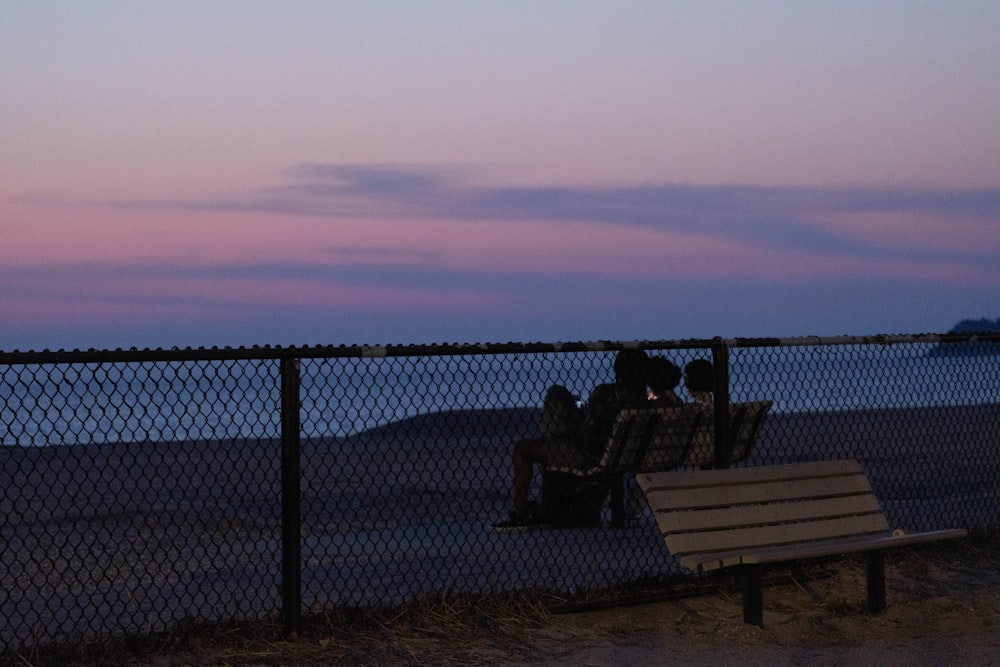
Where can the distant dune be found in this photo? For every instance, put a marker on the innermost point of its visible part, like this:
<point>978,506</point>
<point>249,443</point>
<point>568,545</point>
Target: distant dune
<point>977,349</point>
<point>977,326</point>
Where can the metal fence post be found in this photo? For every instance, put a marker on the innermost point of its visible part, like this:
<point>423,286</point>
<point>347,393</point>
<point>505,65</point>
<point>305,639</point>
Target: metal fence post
<point>720,395</point>
<point>291,499</point>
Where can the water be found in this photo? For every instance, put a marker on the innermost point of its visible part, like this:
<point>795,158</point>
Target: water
<point>161,401</point>
<point>862,377</point>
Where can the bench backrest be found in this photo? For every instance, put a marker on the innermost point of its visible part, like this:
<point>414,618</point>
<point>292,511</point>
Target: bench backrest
<point>744,427</point>
<point>629,439</point>
<point>633,433</point>
<point>673,437</point>
<point>710,517</point>
<point>651,439</point>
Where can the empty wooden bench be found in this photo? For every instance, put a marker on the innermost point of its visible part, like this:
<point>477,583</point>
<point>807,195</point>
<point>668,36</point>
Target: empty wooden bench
<point>756,516</point>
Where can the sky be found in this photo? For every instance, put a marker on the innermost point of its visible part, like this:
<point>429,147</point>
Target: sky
<point>223,173</point>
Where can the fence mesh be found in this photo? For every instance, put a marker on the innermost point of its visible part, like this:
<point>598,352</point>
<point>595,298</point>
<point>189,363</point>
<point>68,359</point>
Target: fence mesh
<point>146,488</point>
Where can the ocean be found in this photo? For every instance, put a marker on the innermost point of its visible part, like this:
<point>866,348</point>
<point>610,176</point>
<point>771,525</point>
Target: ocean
<point>66,404</point>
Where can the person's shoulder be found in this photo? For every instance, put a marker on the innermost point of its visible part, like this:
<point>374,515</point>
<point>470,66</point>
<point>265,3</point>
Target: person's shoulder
<point>604,389</point>
<point>614,394</point>
<point>599,399</point>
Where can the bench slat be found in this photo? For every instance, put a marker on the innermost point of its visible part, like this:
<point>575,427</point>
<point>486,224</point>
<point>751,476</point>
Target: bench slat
<point>837,547</point>
<point>716,496</point>
<point>748,428</point>
<point>670,441</point>
<point>664,437</point>
<point>706,562</point>
<point>627,441</point>
<point>746,420</point>
<point>701,478</point>
<point>743,515</point>
<point>756,537</point>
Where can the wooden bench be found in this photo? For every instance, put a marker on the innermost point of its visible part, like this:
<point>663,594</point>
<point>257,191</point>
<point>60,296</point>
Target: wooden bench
<point>655,439</point>
<point>623,453</point>
<point>755,516</point>
<point>670,442</point>
<point>745,420</point>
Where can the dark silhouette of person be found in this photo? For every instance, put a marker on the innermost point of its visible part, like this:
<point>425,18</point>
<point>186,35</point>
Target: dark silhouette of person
<point>663,376</point>
<point>582,451</point>
<point>699,380</point>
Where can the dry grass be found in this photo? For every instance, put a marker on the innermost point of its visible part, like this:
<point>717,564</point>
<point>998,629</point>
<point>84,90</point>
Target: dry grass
<point>446,630</point>
<point>954,585</point>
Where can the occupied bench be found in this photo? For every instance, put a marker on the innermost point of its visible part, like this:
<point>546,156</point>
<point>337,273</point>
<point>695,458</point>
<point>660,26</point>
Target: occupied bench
<point>745,420</point>
<point>647,440</point>
<point>755,516</point>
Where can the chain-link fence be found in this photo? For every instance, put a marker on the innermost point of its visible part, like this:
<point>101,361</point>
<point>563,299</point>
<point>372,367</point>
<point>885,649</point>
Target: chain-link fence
<point>143,489</point>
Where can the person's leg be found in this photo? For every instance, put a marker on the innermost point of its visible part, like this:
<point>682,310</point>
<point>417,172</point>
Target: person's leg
<point>527,452</point>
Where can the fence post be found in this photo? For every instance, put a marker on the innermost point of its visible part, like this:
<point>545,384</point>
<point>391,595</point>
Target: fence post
<point>291,503</point>
<point>720,396</point>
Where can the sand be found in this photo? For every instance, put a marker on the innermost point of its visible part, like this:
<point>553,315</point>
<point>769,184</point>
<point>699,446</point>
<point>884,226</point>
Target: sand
<point>139,537</point>
<point>944,609</point>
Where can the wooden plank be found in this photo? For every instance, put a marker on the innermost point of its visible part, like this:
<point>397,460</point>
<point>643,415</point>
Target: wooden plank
<point>716,560</point>
<point>712,561</point>
<point>746,419</point>
<point>758,537</point>
<point>837,547</point>
<point>702,452</point>
<point>665,455</point>
<point>700,478</point>
<point>744,515</point>
<point>748,429</point>
<point>634,448</point>
<point>668,445</point>
<point>629,437</point>
<point>720,496</point>
<point>625,436</point>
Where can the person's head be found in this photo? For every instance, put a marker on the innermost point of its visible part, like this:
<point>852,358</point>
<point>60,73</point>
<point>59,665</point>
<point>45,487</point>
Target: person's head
<point>630,366</point>
<point>698,375</point>
<point>663,375</point>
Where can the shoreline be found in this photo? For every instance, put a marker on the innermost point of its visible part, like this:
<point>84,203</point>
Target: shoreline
<point>472,446</point>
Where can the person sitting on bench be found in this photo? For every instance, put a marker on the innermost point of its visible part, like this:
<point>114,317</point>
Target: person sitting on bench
<point>581,451</point>
<point>663,378</point>
<point>699,381</point>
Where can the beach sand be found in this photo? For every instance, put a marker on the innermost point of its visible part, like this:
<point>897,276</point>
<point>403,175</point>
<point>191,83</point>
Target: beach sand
<point>136,538</point>
<point>944,609</point>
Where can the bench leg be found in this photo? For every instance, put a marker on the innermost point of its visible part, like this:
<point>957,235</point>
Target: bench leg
<point>876,581</point>
<point>753,596</point>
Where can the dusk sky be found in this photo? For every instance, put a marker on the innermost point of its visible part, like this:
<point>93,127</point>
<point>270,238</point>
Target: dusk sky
<point>299,173</point>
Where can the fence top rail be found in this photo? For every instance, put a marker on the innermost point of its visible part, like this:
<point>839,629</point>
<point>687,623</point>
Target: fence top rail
<point>278,352</point>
